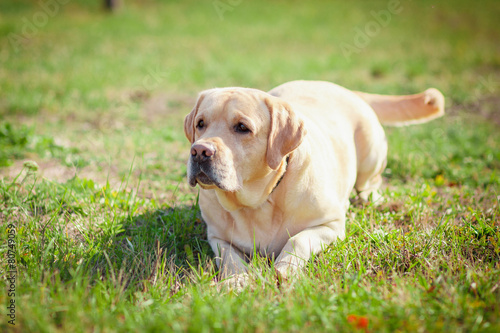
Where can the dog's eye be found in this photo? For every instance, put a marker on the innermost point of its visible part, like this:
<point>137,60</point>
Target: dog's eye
<point>200,124</point>
<point>242,128</point>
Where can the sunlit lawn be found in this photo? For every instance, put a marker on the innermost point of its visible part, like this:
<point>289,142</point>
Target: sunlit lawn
<point>92,165</point>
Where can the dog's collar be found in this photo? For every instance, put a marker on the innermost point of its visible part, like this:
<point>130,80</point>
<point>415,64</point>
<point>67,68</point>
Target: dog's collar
<point>283,175</point>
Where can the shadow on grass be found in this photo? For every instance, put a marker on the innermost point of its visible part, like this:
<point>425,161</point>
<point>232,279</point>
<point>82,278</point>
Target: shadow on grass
<point>162,246</point>
<point>178,231</point>
<point>76,232</point>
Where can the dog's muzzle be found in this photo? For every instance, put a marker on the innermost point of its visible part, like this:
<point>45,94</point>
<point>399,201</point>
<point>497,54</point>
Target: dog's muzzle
<point>201,164</point>
<point>202,152</point>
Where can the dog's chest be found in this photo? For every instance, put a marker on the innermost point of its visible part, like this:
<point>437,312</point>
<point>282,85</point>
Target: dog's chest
<point>260,228</point>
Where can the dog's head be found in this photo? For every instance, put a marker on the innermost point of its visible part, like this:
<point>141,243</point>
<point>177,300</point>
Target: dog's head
<point>239,135</point>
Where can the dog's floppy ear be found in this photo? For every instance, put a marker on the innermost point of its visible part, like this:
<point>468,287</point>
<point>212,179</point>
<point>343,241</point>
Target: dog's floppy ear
<point>286,133</point>
<point>189,120</point>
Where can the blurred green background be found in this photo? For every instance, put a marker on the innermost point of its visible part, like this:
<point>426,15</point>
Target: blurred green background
<point>117,85</point>
<point>109,236</point>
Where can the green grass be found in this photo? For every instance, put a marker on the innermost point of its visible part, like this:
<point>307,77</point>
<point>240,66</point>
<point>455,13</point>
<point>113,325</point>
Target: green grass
<point>108,234</point>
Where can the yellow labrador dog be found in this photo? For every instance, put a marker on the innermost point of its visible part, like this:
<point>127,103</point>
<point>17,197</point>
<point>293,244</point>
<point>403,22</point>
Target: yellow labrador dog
<point>276,169</point>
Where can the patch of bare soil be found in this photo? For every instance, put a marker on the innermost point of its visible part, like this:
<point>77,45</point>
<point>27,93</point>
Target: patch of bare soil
<point>159,106</point>
<point>166,190</point>
<point>153,106</point>
<point>53,170</point>
<point>487,107</point>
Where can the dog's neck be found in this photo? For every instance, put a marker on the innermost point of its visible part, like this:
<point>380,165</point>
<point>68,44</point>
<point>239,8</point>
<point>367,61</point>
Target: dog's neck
<point>287,160</point>
<point>255,193</point>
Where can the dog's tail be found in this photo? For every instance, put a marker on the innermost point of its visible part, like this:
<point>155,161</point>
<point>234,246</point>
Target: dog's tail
<point>406,109</point>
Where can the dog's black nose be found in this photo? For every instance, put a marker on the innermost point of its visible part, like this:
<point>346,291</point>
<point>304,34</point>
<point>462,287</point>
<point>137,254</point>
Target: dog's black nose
<point>202,152</point>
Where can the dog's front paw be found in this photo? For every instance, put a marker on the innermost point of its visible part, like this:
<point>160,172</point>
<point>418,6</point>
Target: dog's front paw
<point>285,274</point>
<point>236,282</point>
<point>282,274</point>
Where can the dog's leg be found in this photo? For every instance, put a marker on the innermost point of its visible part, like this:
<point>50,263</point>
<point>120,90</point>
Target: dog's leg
<point>369,177</point>
<point>229,259</point>
<point>369,189</point>
<point>299,248</point>
<point>371,150</point>
<point>232,265</point>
